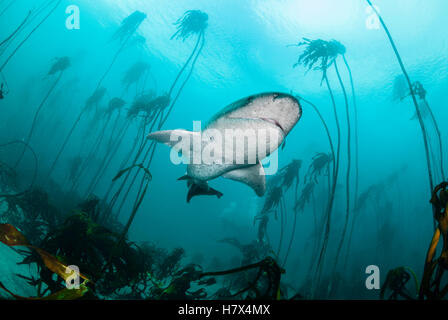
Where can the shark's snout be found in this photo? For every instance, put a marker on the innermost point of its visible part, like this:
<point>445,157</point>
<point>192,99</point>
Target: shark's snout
<point>284,111</point>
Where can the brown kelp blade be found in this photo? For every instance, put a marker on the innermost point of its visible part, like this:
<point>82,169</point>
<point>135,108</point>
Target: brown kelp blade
<point>52,263</point>
<point>10,236</point>
<point>68,294</point>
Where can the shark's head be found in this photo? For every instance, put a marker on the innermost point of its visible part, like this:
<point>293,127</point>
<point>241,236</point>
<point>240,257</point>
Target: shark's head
<point>281,109</point>
<point>284,109</point>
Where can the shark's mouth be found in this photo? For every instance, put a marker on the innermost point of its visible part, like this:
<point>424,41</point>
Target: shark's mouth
<point>270,120</point>
<point>276,123</point>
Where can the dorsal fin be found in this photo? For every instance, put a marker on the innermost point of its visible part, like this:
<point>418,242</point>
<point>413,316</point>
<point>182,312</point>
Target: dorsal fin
<point>252,176</point>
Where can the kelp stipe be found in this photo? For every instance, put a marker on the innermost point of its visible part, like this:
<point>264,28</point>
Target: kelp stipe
<point>128,28</point>
<point>193,22</point>
<point>414,99</point>
<point>58,67</point>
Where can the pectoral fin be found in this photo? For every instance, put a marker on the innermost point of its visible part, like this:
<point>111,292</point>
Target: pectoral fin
<point>253,176</point>
<point>180,140</point>
<point>202,190</point>
<point>171,137</point>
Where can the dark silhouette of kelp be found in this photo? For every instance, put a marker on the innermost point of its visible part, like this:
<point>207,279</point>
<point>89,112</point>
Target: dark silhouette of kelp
<point>127,29</point>
<point>193,22</point>
<point>321,55</point>
<point>413,95</point>
<point>58,67</point>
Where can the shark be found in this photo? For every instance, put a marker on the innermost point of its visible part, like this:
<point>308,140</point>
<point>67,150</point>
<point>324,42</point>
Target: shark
<point>235,141</point>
